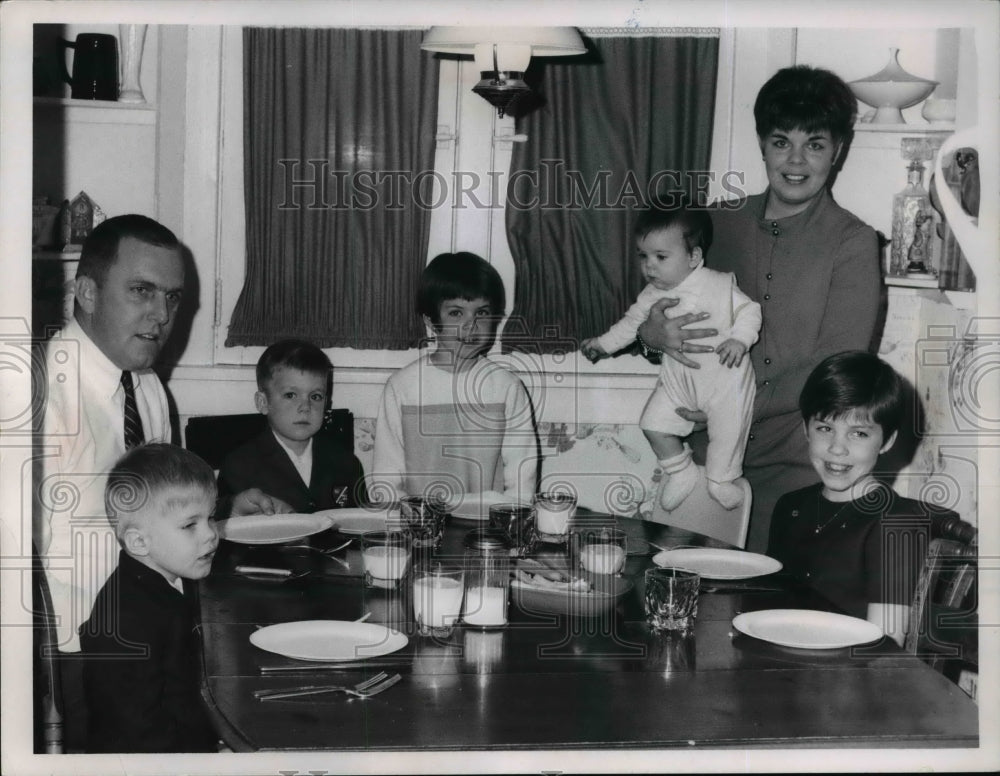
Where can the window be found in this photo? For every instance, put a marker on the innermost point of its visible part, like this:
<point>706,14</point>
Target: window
<point>472,161</point>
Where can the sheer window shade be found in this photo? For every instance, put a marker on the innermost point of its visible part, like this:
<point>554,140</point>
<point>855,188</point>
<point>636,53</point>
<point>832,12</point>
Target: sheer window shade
<point>632,114</point>
<point>335,259</point>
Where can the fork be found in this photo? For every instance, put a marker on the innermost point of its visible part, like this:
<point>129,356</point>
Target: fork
<point>365,689</point>
<point>327,552</point>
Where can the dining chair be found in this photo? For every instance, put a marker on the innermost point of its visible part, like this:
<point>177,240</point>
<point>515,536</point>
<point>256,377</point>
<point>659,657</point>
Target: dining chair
<point>48,707</point>
<point>943,616</point>
<point>701,513</point>
<point>213,437</point>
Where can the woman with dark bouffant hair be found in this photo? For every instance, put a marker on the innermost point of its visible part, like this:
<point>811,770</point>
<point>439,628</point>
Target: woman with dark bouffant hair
<point>811,265</point>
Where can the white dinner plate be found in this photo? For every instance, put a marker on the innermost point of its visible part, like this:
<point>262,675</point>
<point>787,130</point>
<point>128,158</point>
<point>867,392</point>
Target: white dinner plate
<point>713,563</point>
<point>272,529</point>
<point>806,628</point>
<point>358,520</point>
<point>328,640</point>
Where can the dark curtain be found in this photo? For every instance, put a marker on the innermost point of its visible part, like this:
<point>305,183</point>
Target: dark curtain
<point>338,144</point>
<point>630,117</point>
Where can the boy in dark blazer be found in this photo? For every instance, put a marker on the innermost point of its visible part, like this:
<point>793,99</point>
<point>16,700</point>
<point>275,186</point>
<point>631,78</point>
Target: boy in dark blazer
<point>140,644</point>
<point>293,459</point>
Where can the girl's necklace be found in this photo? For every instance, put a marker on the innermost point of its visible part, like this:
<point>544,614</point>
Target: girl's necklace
<point>822,526</point>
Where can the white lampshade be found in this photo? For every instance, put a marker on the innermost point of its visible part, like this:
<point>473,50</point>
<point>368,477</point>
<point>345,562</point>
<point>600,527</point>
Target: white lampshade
<point>544,41</point>
<point>510,57</point>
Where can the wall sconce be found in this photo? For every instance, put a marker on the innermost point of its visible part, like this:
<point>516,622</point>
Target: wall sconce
<point>502,55</point>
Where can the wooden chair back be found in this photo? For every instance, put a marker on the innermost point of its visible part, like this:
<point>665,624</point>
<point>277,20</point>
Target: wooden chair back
<point>943,616</point>
<point>49,717</point>
<point>213,437</point>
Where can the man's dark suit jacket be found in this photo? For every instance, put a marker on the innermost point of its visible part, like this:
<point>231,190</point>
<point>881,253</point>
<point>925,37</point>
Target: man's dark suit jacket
<point>141,669</point>
<point>337,475</point>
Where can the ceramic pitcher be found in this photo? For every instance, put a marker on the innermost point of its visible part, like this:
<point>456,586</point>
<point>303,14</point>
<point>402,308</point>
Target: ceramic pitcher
<point>963,226</point>
<point>95,66</point>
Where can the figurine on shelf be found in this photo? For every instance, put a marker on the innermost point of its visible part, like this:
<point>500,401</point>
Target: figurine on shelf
<point>968,165</point>
<point>84,215</point>
<point>917,255</point>
<point>913,252</point>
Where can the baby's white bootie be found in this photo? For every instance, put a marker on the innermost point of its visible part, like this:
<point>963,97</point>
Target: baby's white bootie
<point>728,494</point>
<point>681,476</point>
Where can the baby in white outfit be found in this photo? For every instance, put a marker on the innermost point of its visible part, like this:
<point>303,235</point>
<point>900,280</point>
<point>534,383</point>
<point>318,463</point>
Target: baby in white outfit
<point>671,245</point>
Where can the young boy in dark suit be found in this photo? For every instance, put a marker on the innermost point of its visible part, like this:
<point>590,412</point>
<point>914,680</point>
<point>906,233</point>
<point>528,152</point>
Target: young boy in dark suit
<point>290,459</point>
<point>140,643</point>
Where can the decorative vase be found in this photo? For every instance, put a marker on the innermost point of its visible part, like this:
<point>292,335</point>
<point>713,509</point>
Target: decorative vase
<point>890,90</point>
<point>912,218</point>
<point>132,37</point>
<point>939,110</point>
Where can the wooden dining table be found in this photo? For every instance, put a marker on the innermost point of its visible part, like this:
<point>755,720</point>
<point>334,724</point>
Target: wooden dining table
<point>552,680</point>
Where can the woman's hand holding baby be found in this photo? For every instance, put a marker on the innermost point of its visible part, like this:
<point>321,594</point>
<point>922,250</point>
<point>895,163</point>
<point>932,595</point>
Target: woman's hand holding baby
<point>668,335</point>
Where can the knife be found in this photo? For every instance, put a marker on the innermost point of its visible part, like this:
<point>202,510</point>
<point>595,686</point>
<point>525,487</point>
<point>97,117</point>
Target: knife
<point>741,589</point>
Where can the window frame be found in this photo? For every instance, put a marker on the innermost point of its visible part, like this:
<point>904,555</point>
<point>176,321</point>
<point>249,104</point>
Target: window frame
<point>472,140</point>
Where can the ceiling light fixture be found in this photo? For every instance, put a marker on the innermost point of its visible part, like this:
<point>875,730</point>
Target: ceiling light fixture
<point>502,55</point>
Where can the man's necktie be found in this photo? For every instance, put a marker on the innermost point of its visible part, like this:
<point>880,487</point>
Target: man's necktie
<point>133,423</point>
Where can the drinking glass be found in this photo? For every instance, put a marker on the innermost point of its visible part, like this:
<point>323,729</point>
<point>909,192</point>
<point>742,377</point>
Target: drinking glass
<point>517,522</point>
<point>385,556</point>
<point>423,520</point>
<point>553,511</point>
<point>671,598</point>
<point>600,551</point>
<point>437,598</point>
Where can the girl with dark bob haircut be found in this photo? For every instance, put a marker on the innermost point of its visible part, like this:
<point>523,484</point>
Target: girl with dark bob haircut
<point>461,275</point>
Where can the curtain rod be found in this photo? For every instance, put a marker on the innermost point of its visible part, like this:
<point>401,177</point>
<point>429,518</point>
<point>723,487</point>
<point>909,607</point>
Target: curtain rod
<point>598,32</point>
<point>659,32</point>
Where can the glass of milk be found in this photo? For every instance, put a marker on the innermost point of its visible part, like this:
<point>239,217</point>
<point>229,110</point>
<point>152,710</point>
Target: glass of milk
<point>385,556</point>
<point>437,598</point>
<point>553,511</point>
<point>487,578</point>
<point>601,551</point>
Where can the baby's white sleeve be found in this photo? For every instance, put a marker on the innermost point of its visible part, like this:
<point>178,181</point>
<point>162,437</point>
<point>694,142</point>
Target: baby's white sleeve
<point>623,332</point>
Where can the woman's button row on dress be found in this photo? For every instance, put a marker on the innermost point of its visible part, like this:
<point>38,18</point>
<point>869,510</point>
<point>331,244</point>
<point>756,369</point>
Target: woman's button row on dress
<point>776,232</point>
<point>766,297</point>
<point>767,361</point>
<point>769,276</point>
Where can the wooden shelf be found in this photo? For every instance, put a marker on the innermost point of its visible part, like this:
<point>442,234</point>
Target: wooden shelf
<point>99,111</point>
<point>927,289</point>
<point>51,254</point>
<point>906,282</point>
<point>902,129</point>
